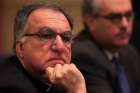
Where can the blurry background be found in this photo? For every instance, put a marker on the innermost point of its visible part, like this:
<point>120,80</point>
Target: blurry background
<point>8,9</point>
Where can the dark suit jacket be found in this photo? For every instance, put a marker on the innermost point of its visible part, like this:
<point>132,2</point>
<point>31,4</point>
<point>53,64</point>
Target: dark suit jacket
<point>99,73</point>
<point>14,79</point>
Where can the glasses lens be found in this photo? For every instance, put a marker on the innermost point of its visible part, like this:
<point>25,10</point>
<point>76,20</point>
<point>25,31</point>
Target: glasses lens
<point>66,37</point>
<point>49,35</point>
<point>117,17</point>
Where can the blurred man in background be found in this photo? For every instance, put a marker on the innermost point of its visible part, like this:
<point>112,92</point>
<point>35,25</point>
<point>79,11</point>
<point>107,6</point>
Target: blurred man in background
<point>102,51</point>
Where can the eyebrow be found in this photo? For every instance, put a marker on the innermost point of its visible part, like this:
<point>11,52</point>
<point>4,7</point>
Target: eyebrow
<point>48,29</point>
<point>129,11</point>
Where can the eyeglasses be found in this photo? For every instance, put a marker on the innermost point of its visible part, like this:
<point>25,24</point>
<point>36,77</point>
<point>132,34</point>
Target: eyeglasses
<point>117,17</point>
<point>48,35</point>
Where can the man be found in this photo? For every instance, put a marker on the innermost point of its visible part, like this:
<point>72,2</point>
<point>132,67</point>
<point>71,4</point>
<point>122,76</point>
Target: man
<point>43,36</point>
<point>102,52</point>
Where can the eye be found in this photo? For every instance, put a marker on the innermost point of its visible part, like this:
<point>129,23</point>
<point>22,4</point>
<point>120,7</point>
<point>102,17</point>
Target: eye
<point>45,36</point>
<point>129,15</point>
<point>114,16</point>
<point>67,37</point>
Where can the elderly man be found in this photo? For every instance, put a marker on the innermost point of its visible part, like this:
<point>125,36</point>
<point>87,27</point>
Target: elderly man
<point>43,36</point>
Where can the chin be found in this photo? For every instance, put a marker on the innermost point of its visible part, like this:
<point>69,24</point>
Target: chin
<point>122,44</point>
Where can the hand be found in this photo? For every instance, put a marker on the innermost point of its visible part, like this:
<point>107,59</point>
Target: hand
<point>67,77</point>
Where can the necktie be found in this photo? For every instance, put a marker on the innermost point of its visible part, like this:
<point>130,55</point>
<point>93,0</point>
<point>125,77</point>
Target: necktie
<point>122,79</point>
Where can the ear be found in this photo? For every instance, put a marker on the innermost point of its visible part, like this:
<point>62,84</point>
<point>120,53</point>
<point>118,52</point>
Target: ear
<point>19,49</point>
<point>89,20</point>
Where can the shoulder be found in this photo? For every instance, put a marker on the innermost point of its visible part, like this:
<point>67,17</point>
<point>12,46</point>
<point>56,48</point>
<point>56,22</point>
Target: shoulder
<point>9,72</point>
<point>12,75</point>
<point>87,53</point>
<point>85,46</point>
<point>83,42</point>
<point>129,50</point>
<point>130,58</point>
<point>82,37</point>
<point>6,62</point>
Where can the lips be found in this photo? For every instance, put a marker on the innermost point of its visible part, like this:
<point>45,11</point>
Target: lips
<point>124,35</point>
<point>57,61</point>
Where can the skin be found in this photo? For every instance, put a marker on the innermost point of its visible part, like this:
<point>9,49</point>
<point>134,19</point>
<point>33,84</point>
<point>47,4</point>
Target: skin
<point>50,61</point>
<point>111,36</point>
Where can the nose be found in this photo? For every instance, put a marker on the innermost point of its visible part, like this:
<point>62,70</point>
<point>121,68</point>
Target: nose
<point>58,44</point>
<point>124,22</point>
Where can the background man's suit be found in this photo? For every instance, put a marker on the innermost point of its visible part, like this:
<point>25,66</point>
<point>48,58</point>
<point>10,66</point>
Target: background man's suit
<point>98,71</point>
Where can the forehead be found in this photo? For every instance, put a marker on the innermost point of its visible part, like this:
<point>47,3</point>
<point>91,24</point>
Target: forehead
<point>47,17</point>
<point>115,6</point>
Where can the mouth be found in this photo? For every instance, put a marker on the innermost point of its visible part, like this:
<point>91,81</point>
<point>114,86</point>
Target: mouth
<point>55,61</point>
<point>124,35</point>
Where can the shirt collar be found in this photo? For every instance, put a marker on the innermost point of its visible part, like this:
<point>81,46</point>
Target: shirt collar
<point>111,55</point>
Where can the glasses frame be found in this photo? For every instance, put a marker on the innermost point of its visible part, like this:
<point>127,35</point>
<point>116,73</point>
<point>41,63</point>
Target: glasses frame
<point>116,17</point>
<point>66,36</point>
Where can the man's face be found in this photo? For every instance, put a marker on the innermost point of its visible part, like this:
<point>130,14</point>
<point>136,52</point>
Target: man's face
<point>112,26</point>
<point>47,41</point>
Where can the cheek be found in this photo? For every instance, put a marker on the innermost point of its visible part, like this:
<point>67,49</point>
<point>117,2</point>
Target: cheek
<point>34,61</point>
<point>130,28</point>
<point>104,32</point>
<point>68,53</point>
<point>69,56</point>
<point>104,35</point>
<point>104,25</point>
<point>35,56</point>
<point>37,49</point>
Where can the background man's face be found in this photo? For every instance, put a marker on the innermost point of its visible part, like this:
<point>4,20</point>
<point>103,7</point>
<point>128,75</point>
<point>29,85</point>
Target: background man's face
<point>113,27</point>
